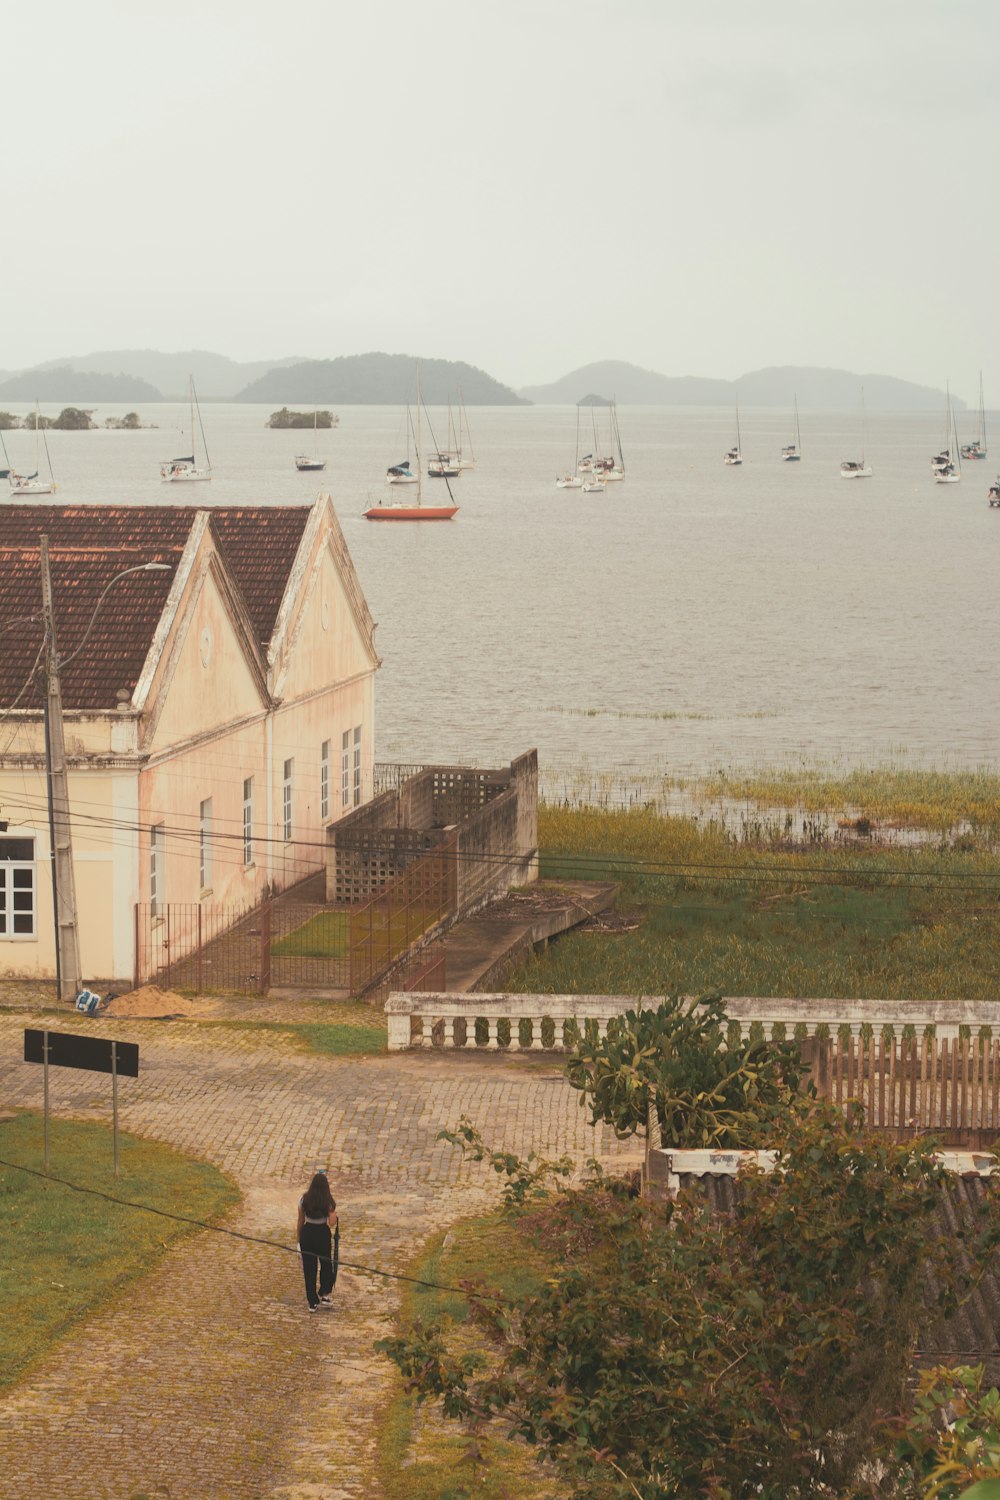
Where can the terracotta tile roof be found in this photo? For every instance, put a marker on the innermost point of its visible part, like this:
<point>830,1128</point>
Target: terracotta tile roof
<point>88,545</point>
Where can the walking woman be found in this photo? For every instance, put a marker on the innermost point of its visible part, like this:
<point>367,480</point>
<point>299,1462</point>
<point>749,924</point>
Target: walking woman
<point>319,1241</point>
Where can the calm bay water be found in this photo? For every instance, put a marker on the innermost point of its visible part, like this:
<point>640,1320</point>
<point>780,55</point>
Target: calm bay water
<point>695,617</point>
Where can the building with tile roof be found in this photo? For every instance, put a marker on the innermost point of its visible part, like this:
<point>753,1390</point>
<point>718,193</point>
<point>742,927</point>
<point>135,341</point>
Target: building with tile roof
<point>218,714</point>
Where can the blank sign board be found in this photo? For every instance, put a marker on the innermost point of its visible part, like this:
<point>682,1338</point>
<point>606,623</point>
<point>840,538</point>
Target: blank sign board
<point>92,1053</point>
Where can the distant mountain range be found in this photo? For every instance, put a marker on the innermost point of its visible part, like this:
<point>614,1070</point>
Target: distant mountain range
<point>65,384</point>
<point>216,376</point>
<point>380,380</point>
<point>146,375</point>
<point>811,386</point>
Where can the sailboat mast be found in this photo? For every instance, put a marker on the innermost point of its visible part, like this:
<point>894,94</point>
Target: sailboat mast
<point>36,436</point>
<point>416,439</point>
<point>576,455</point>
<point>739,439</point>
<point>201,425</point>
<point>618,434</point>
<point>45,440</point>
<point>798,439</point>
<point>982,415</point>
<point>464,420</point>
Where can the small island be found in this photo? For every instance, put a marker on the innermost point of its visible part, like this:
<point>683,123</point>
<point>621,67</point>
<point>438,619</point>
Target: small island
<point>72,419</point>
<point>286,418</point>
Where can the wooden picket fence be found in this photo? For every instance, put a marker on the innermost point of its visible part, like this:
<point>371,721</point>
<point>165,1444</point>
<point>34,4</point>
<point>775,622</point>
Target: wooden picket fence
<point>915,1086</point>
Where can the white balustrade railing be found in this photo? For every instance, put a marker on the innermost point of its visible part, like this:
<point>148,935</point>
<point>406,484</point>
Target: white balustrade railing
<point>534,1023</point>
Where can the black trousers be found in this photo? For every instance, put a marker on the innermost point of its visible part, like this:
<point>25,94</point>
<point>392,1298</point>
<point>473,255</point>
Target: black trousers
<point>319,1252</point>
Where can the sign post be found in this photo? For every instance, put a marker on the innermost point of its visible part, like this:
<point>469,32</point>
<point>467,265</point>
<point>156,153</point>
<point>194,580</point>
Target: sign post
<point>66,1049</point>
<point>45,1090</point>
<point>114,1099</point>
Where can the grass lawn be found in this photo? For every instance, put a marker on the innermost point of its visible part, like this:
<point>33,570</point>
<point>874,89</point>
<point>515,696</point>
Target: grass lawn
<point>64,1253</point>
<point>353,1029</point>
<point>421,1455</point>
<point>328,933</point>
<point>860,920</point>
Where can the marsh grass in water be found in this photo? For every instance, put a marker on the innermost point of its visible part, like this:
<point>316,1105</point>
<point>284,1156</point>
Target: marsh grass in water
<point>940,801</point>
<point>421,1456</point>
<point>65,1253</point>
<point>863,921</point>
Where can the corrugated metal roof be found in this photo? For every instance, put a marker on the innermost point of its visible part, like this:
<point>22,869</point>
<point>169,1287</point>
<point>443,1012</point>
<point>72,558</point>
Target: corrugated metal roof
<point>971,1336</point>
<point>88,545</point>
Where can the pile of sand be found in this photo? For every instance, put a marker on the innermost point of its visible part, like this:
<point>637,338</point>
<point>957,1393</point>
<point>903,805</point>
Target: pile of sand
<point>149,1002</point>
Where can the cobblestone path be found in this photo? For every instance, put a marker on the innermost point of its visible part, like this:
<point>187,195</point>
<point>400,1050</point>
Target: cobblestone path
<point>209,1380</point>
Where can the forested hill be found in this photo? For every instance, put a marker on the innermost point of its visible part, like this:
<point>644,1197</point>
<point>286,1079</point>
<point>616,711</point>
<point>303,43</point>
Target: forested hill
<point>379,380</point>
<point>66,385</point>
<point>823,389</point>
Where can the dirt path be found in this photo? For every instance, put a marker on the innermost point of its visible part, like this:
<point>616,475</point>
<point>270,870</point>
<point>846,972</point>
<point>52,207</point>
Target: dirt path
<point>210,1380</point>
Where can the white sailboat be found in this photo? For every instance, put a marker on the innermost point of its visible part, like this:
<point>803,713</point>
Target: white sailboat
<point>613,467</point>
<point>942,463</point>
<point>735,454</point>
<point>572,481</point>
<point>34,484</point>
<point>305,464</point>
<point>951,472</point>
<point>978,448</point>
<point>853,468</point>
<point>792,453</point>
<point>185,470</point>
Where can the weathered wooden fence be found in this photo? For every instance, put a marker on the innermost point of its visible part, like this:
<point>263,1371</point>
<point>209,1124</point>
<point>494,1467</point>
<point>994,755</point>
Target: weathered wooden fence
<point>915,1085</point>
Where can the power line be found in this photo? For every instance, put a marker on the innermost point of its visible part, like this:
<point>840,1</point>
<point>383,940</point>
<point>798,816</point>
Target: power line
<point>607,864</point>
<point>236,1234</point>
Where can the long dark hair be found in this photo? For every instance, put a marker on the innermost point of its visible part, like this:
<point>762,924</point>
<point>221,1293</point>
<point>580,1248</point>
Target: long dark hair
<point>317,1199</point>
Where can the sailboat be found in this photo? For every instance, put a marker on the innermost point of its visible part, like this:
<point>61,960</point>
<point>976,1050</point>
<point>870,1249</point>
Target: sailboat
<point>994,493</point>
<point>613,469</point>
<point>942,462</point>
<point>185,470</point>
<point>402,473</point>
<point>978,448</point>
<point>735,454</point>
<point>951,472</point>
<point>33,484</point>
<point>793,452</point>
<point>853,468</point>
<point>310,465</point>
<point>390,511</point>
<point>573,481</point>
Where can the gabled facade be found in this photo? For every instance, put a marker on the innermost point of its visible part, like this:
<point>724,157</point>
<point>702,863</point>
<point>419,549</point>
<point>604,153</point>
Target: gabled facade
<point>217,718</point>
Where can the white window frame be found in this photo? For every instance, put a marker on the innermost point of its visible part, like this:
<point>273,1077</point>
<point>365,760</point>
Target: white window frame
<point>345,769</point>
<point>247,821</point>
<point>205,844</point>
<point>324,780</point>
<point>156,870</point>
<point>286,800</point>
<point>8,889</point>
<point>357,766</point>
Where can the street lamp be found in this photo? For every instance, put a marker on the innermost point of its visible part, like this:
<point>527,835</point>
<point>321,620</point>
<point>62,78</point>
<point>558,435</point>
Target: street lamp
<point>68,977</point>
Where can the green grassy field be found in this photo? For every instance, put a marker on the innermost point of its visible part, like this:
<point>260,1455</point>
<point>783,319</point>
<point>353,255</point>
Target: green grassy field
<point>858,920</point>
<point>65,1253</point>
<point>422,1456</point>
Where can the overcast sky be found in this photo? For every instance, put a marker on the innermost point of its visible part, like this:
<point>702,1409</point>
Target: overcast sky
<point>528,185</point>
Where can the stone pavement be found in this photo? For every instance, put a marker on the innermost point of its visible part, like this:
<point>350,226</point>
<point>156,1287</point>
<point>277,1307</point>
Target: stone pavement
<point>208,1380</point>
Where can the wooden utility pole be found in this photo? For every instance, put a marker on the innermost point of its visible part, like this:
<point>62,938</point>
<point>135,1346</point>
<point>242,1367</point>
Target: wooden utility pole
<point>63,881</point>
